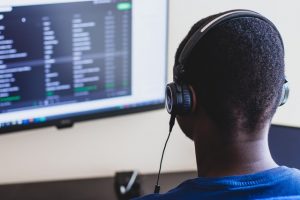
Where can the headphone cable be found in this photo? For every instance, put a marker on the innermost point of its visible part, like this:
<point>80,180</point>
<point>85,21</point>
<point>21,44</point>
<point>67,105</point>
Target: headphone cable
<point>171,124</point>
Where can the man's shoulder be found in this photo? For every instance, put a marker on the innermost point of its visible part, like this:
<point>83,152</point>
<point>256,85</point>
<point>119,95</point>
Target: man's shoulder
<point>293,176</point>
<point>281,182</point>
<point>295,171</point>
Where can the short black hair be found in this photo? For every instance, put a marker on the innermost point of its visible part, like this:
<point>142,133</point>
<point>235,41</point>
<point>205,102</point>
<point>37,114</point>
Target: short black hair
<point>237,71</point>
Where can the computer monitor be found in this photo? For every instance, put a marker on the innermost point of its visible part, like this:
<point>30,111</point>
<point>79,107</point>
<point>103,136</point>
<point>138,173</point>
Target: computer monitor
<point>63,61</point>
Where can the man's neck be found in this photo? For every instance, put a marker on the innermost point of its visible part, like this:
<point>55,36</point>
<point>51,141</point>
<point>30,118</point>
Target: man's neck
<point>216,158</point>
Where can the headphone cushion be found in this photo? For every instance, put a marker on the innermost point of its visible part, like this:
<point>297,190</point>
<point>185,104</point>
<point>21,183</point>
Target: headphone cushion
<point>186,100</point>
<point>285,93</point>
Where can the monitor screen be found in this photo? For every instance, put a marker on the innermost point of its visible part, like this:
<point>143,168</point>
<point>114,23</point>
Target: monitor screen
<point>63,61</point>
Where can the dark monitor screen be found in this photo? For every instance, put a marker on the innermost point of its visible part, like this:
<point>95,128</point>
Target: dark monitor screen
<point>66,61</point>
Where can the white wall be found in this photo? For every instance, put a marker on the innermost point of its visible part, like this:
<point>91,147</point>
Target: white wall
<point>100,147</point>
<point>95,148</point>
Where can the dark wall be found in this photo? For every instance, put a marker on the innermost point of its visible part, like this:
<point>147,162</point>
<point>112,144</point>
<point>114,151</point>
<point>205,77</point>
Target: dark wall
<point>285,145</point>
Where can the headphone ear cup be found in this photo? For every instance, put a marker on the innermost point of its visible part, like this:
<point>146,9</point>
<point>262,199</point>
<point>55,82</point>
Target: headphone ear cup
<point>179,99</point>
<point>285,93</point>
<point>171,100</point>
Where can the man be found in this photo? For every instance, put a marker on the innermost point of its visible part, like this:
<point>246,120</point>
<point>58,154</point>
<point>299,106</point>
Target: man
<point>234,81</point>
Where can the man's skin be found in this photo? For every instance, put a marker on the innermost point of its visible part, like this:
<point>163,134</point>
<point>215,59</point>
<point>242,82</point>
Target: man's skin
<point>245,153</point>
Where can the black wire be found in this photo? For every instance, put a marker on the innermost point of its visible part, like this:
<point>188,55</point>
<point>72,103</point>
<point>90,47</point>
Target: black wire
<point>162,157</point>
<point>171,124</point>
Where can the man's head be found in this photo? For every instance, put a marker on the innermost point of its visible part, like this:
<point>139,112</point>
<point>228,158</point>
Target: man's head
<point>237,73</point>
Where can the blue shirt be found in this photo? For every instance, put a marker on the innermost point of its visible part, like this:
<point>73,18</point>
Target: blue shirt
<point>278,183</point>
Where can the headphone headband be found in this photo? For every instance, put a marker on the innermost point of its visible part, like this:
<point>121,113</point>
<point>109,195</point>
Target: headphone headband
<point>202,30</point>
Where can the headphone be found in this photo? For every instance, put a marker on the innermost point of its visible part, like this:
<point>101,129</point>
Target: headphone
<point>180,97</point>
